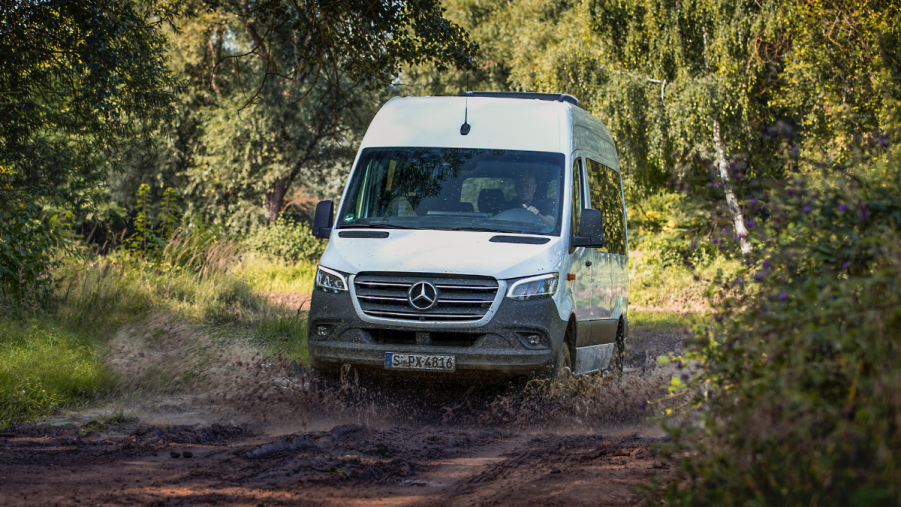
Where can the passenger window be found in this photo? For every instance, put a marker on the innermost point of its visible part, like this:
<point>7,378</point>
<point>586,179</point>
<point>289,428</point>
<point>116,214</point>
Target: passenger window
<point>606,197</point>
<point>577,195</point>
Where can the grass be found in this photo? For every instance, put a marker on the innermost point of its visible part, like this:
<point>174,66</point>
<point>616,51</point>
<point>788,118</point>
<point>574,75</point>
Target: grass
<point>286,334</point>
<point>109,311</point>
<point>665,320</point>
<point>266,274</point>
<point>44,366</point>
<point>674,288</point>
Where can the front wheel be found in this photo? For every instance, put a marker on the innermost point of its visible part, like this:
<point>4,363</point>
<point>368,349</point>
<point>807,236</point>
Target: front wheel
<point>564,361</point>
<point>618,359</point>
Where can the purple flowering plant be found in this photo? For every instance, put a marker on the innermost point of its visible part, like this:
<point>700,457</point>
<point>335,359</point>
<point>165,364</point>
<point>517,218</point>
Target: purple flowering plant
<point>800,369</point>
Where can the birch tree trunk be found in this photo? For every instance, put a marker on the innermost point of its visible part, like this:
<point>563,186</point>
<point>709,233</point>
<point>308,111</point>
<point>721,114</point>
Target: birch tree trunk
<point>722,165</point>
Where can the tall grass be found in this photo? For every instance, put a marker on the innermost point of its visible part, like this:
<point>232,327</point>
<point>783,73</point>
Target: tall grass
<point>72,350</point>
<point>268,274</point>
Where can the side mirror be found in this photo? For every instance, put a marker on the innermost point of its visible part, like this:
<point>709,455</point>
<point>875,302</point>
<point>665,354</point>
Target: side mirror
<point>591,228</point>
<point>322,224</point>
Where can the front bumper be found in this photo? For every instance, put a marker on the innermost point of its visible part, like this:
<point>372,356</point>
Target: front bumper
<point>498,349</point>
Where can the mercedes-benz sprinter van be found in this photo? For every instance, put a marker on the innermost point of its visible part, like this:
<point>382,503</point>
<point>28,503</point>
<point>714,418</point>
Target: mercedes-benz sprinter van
<point>478,236</point>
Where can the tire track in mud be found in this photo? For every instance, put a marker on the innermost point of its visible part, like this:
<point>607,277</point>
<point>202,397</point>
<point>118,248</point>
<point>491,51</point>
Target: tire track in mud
<point>498,471</point>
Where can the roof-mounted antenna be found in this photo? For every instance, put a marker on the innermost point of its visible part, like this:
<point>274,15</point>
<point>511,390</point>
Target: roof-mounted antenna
<point>465,128</point>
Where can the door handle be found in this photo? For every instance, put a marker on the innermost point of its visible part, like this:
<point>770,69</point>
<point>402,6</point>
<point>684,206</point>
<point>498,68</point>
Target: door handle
<point>587,264</point>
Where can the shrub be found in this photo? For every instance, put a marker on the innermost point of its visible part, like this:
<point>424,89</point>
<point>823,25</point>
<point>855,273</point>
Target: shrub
<point>28,241</point>
<point>287,240</point>
<point>798,380</point>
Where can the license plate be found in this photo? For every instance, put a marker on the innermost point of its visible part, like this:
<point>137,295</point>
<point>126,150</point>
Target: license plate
<point>427,362</point>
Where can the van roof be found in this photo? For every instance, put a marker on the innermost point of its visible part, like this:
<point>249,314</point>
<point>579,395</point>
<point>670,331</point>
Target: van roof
<point>526,122</point>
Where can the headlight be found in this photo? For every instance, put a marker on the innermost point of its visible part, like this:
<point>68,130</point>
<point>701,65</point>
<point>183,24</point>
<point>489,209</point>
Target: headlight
<point>534,287</point>
<point>330,281</point>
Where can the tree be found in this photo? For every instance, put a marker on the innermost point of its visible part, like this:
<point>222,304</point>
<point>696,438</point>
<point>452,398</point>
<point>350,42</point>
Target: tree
<point>78,78</point>
<point>713,92</point>
<point>283,89</point>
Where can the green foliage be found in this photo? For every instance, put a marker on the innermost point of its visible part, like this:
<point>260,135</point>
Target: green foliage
<point>287,240</point>
<point>44,367</point>
<point>145,239</point>
<point>28,240</point>
<point>796,379</point>
<point>77,77</point>
<point>676,229</point>
<point>279,95</point>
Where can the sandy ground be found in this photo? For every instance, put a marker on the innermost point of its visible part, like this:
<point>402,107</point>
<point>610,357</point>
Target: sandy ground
<point>352,441</point>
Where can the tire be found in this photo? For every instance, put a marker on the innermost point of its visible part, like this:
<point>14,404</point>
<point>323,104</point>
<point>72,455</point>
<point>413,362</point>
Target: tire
<point>564,361</point>
<point>618,359</point>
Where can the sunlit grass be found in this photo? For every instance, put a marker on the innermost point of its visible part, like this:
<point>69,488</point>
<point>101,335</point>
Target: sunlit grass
<point>265,274</point>
<point>665,320</point>
<point>674,288</point>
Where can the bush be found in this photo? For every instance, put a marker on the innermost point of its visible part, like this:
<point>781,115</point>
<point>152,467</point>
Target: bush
<point>676,253</point>
<point>28,241</point>
<point>797,391</point>
<point>287,240</point>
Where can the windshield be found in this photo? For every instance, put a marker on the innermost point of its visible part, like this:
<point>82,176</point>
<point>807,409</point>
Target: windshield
<point>456,188</point>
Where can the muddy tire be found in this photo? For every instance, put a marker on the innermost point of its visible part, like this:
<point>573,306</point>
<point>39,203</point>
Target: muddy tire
<point>618,359</point>
<point>564,361</point>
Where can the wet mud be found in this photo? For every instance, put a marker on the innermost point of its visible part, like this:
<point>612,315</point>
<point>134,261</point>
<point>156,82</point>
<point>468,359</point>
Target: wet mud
<point>265,431</point>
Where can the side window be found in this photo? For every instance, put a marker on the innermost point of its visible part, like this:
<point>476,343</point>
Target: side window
<point>577,195</point>
<point>618,211</point>
<point>606,197</point>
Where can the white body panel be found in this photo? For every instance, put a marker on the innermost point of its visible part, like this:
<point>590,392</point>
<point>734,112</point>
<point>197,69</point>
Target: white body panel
<point>451,252</point>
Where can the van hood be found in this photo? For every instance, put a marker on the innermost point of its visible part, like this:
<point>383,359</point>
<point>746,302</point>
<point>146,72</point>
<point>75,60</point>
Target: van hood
<point>450,252</point>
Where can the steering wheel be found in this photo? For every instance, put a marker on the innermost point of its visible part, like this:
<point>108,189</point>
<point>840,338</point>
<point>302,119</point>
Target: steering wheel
<point>517,215</point>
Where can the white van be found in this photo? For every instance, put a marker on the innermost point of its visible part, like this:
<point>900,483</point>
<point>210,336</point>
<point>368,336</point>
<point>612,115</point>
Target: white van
<point>478,236</point>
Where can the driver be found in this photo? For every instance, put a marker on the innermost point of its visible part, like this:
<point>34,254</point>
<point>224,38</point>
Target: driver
<point>525,192</point>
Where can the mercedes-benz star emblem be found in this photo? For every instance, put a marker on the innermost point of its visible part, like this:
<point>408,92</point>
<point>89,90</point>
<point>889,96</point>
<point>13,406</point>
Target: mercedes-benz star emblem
<point>423,296</point>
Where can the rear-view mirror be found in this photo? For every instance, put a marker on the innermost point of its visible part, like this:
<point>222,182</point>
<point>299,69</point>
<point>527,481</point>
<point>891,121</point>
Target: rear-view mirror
<point>322,223</point>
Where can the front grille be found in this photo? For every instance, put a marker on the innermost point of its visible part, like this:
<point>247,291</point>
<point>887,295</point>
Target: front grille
<point>460,298</point>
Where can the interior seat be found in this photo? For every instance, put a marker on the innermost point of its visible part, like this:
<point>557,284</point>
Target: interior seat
<point>491,200</point>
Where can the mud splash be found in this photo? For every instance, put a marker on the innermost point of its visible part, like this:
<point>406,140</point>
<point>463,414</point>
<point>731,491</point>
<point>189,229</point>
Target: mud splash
<point>180,374</point>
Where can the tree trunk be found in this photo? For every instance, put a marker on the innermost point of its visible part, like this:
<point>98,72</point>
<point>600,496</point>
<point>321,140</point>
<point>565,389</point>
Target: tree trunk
<point>216,50</point>
<point>275,197</point>
<point>740,231</point>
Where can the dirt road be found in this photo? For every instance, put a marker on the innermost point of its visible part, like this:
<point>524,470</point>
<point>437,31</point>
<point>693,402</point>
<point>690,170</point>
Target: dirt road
<point>580,442</point>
